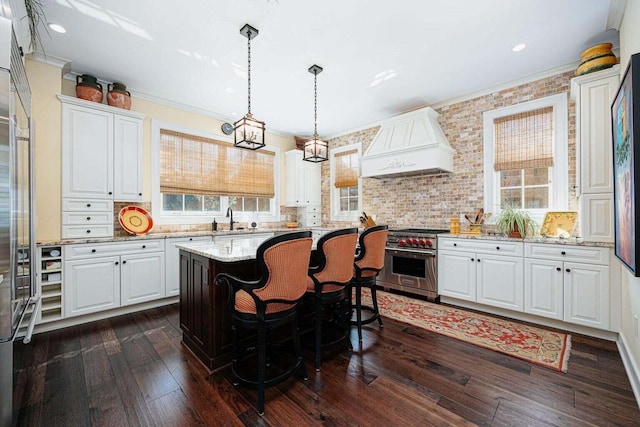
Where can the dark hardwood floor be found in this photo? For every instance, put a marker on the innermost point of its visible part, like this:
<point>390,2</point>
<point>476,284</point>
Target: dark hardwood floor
<point>133,371</point>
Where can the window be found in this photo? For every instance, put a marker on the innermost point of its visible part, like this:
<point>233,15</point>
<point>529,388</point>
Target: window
<point>346,191</point>
<point>196,177</point>
<point>525,156</point>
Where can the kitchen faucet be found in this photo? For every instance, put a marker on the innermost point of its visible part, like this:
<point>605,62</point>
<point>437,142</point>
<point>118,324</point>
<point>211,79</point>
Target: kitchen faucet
<point>230,216</point>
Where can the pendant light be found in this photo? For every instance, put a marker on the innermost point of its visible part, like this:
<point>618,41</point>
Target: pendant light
<point>248,132</point>
<point>315,150</point>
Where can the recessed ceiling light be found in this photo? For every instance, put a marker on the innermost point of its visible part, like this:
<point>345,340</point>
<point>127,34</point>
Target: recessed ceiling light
<point>57,28</point>
<point>519,47</point>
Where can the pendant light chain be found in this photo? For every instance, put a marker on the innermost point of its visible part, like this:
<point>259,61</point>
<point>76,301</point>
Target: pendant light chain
<point>249,72</point>
<point>315,104</point>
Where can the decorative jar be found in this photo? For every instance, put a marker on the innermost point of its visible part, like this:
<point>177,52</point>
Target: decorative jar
<point>119,96</point>
<point>596,58</point>
<point>88,88</point>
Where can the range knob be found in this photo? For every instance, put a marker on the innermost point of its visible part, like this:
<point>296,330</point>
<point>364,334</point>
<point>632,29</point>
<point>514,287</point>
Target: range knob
<point>422,242</point>
<point>414,241</point>
<point>429,243</point>
<point>401,242</point>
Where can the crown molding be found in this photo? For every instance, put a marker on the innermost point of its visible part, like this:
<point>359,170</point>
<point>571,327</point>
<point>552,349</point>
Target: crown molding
<point>63,64</point>
<point>616,12</point>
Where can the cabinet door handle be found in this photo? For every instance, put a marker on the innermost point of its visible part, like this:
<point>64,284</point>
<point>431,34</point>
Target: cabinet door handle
<point>88,205</point>
<point>568,270</point>
<point>110,192</point>
<point>124,262</point>
<point>455,244</point>
<point>144,246</point>
<point>563,253</point>
<point>190,238</point>
<point>139,194</point>
<point>558,269</point>
<point>472,259</point>
<point>117,263</point>
<point>478,259</point>
<point>498,248</point>
<point>88,218</point>
<point>93,251</point>
<point>88,231</point>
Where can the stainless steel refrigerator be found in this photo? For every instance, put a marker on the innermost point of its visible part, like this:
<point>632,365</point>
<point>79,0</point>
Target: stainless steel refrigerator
<point>17,236</point>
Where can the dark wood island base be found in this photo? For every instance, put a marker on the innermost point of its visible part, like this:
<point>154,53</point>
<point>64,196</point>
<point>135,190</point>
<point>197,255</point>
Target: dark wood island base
<point>204,316</point>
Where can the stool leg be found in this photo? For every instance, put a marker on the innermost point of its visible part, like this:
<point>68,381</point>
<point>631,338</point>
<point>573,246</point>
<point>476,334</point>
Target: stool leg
<point>236,352</point>
<point>295,330</point>
<point>374,298</point>
<point>318,325</point>
<point>359,310</point>
<point>262,367</point>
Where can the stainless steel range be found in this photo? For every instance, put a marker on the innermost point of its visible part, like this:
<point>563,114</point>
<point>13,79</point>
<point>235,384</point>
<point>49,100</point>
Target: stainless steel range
<point>411,262</point>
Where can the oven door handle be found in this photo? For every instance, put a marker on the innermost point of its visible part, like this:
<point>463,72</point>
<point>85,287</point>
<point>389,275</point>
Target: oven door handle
<point>410,251</point>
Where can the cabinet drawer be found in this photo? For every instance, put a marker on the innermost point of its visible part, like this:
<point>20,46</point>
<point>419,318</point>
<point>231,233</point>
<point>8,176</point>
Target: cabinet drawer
<point>310,223</point>
<point>87,218</point>
<point>592,255</point>
<point>89,231</point>
<point>87,205</point>
<point>87,250</point>
<point>499,247</point>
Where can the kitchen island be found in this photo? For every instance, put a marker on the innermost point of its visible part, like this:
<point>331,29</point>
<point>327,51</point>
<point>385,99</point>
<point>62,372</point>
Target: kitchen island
<point>204,315</point>
<point>205,319</point>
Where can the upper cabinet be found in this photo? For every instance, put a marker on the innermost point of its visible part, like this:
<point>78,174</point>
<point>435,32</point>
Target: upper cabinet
<point>303,181</point>
<point>101,151</point>
<point>593,94</point>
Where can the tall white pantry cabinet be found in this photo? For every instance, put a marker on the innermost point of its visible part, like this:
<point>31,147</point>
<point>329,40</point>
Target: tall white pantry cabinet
<point>101,163</point>
<point>593,94</point>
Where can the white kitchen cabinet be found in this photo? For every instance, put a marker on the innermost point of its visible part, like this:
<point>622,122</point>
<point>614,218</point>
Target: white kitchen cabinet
<point>303,180</point>
<point>484,271</point>
<point>142,277</point>
<point>593,94</point>
<point>91,285</point>
<point>102,276</point>
<point>544,288</point>
<point>172,262</point>
<point>310,216</point>
<point>101,151</point>
<point>569,283</point>
<point>457,274</point>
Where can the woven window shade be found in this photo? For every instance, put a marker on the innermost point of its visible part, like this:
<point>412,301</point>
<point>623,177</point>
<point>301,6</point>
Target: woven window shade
<point>524,141</point>
<point>195,165</point>
<point>347,170</point>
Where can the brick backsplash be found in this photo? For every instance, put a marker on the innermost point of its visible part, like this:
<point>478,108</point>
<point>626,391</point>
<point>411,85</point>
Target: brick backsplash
<point>430,200</point>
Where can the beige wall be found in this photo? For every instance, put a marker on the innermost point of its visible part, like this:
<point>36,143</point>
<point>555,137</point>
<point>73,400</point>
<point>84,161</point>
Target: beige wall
<point>46,82</point>
<point>430,201</point>
<point>630,44</point>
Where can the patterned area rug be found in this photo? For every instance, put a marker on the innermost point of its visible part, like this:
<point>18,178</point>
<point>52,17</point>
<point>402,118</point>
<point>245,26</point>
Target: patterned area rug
<point>535,345</point>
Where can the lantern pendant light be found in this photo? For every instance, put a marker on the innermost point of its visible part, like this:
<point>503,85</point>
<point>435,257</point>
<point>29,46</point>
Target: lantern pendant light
<point>248,132</point>
<point>315,150</point>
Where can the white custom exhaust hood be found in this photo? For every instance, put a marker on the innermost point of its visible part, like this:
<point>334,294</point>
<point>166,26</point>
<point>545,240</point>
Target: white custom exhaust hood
<point>409,144</point>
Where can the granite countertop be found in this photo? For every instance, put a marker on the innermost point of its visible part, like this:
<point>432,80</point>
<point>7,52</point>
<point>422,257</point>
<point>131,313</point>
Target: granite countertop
<point>575,241</point>
<point>242,248</point>
<point>245,232</point>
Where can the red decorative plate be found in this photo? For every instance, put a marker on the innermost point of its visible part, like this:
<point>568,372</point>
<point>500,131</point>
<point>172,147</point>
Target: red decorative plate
<point>135,220</point>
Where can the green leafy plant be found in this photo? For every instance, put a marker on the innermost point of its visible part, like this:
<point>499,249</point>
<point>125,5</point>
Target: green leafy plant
<point>516,222</point>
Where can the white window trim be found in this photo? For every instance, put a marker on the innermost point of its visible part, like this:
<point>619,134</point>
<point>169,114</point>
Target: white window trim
<point>336,215</point>
<point>559,172</point>
<point>161,217</point>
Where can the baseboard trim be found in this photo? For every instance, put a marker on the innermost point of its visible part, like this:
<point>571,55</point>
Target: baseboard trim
<point>633,372</point>
<point>78,320</point>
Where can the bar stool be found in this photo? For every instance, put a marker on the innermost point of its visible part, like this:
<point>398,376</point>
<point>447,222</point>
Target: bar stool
<point>272,300</point>
<point>328,283</point>
<point>367,265</point>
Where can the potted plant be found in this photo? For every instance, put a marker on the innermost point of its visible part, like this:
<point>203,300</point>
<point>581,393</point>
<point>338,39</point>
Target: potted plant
<point>516,222</point>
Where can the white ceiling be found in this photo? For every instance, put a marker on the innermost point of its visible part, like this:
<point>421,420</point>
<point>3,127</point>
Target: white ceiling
<point>419,52</point>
